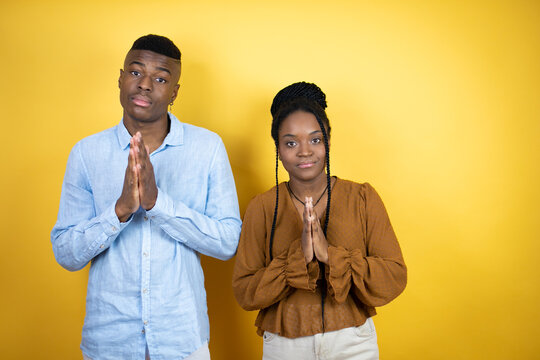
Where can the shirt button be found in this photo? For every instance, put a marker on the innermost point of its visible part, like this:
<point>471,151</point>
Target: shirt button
<point>113,228</point>
<point>145,218</point>
<point>145,254</point>
<point>101,246</point>
<point>145,323</point>
<point>145,291</point>
<point>142,331</point>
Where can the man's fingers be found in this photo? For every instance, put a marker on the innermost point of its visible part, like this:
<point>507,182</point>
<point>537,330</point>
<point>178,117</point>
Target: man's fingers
<point>129,169</point>
<point>136,145</point>
<point>147,189</point>
<point>132,174</point>
<point>132,164</point>
<point>128,202</point>
<point>143,149</point>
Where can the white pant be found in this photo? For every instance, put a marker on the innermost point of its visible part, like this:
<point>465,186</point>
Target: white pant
<point>202,353</point>
<point>358,343</point>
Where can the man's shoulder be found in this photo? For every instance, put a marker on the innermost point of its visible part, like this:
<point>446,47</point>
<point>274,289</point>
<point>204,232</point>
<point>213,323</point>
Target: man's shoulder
<point>196,133</point>
<point>101,137</point>
<point>102,140</point>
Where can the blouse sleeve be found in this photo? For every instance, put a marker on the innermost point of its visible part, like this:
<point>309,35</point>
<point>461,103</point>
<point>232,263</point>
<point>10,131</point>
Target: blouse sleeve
<point>377,275</point>
<point>257,283</point>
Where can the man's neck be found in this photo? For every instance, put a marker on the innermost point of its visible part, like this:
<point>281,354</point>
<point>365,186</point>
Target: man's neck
<point>153,133</point>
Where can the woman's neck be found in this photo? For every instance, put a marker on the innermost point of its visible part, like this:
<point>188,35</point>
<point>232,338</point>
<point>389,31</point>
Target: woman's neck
<point>312,188</point>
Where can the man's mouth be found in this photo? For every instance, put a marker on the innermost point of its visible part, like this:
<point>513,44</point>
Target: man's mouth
<point>141,101</point>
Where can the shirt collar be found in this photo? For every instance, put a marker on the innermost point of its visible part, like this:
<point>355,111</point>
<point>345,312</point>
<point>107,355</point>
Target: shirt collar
<point>174,137</point>
<point>176,133</point>
<point>123,135</point>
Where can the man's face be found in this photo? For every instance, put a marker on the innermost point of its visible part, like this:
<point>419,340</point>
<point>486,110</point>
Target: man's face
<point>148,83</point>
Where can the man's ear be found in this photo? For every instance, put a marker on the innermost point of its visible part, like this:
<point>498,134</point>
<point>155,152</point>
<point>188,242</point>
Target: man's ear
<point>175,92</point>
<point>120,77</point>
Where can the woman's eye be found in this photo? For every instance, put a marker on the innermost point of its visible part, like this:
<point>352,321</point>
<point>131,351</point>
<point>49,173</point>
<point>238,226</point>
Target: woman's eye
<point>316,141</point>
<point>290,143</point>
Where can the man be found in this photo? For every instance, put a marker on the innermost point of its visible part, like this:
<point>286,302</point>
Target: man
<point>141,201</point>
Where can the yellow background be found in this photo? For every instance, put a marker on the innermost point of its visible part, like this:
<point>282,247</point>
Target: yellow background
<point>436,103</point>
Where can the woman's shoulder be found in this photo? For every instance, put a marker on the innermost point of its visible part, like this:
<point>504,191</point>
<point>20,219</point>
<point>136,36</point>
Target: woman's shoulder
<point>357,192</point>
<point>267,198</point>
<point>349,187</point>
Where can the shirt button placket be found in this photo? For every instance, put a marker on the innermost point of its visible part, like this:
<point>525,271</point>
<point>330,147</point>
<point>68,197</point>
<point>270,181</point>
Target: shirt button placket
<point>145,278</point>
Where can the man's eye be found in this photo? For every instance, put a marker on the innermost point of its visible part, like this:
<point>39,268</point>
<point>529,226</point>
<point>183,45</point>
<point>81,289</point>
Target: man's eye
<point>134,73</point>
<point>161,80</point>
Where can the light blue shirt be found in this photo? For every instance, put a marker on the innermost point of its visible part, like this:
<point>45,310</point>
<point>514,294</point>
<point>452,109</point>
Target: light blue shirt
<point>146,284</point>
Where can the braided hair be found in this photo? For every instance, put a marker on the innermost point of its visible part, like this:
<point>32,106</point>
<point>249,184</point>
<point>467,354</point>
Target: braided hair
<point>307,97</point>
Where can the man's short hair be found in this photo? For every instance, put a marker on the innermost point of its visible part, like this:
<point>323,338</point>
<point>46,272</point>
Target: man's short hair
<point>158,44</point>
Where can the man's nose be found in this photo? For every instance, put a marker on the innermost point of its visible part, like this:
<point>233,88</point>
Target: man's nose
<point>145,83</point>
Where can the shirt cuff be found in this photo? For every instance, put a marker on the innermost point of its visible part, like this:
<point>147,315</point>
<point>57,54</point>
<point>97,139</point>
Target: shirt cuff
<point>339,272</point>
<point>163,209</point>
<point>297,273</point>
<point>111,226</point>
<point>110,222</point>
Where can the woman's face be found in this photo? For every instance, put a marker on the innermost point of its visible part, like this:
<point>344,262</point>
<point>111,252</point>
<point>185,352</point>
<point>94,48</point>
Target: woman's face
<point>301,146</point>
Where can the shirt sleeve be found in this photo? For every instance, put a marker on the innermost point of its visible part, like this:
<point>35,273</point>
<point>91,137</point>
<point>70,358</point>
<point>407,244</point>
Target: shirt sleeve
<point>257,283</point>
<point>377,275</point>
<point>215,232</point>
<point>79,233</point>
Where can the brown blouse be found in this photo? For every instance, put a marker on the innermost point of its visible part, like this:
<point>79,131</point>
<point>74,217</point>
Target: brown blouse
<point>366,267</point>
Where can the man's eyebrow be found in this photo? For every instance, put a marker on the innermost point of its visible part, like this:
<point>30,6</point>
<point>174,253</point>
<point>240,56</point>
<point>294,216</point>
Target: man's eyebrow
<point>135,62</point>
<point>164,69</point>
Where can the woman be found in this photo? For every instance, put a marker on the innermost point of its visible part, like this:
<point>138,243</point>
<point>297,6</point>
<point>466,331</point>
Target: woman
<point>317,254</point>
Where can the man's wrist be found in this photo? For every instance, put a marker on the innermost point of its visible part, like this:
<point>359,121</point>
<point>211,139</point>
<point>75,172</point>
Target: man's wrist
<point>122,214</point>
<point>150,207</point>
<point>151,204</point>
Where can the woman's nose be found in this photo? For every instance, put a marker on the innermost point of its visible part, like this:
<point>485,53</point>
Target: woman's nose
<point>304,150</point>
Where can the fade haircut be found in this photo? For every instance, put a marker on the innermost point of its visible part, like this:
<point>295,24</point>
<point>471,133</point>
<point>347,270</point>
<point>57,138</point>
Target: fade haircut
<point>158,44</point>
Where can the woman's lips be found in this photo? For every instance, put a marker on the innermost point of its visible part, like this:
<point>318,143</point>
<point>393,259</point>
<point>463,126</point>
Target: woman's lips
<point>306,165</point>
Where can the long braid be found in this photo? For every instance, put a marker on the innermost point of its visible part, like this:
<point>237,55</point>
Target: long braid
<point>275,209</point>
<point>328,177</point>
<point>325,226</point>
<point>328,181</point>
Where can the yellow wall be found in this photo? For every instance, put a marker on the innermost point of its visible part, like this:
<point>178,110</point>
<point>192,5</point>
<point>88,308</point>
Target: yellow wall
<point>436,103</point>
